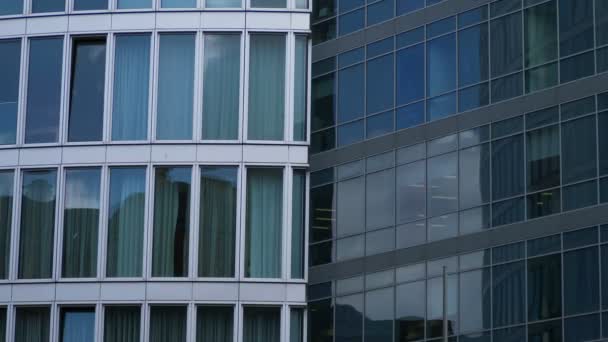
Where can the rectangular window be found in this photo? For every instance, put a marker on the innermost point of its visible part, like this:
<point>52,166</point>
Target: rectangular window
<point>380,199</point>
<point>81,222</point>
<point>351,93</point>
<point>264,223</point>
<point>579,149</point>
<point>77,324</point>
<point>296,325</point>
<point>178,3</point>
<point>349,318</point>
<point>601,24</point>
<point>410,311</point>
<point>411,192</point>
<point>442,192</point>
<point>32,323</point>
<point>168,323</point>
<point>87,89</point>
<point>134,4</point>
<point>122,323</point>
<point>508,294</point>
<point>10,50</point>
<point>175,87</point>
<point>301,4</point>
<point>223,3</point>
<point>441,65</point>
<point>543,154</point>
<point>43,6</point>
<point>473,58</point>
<point>575,26</point>
<point>262,324</point>
<point>410,74</point>
<point>3,321</point>
<point>540,37</point>
<point>581,281</point>
<point>322,213</point>
<point>350,207</point>
<point>217,229</point>
<point>269,3</point>
<point>434,313</point>
<point>266,87</point>
<point>171,221</point>
<point>8,7</point>
<point>87,5</point>
<point>474,176</point>
<point>507,167</point>
<point>379,83</point>
<point>544,287</point>
<point>505,44</point>
<point>221,86</point>
<point>475,295</point>
<point>300,88</point>
<point>131,87</point>
<point>214,323</point>
<point>36,236</point>
<point>126,214</point>
<point>43,90</point>
<point>6,219</point>
<point>298,222</point>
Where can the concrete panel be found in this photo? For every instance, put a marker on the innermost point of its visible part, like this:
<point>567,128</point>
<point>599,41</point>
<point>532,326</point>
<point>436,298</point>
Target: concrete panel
<point>84,154</point>
<point>173,153</point>
<point>77,292</point>
<point>268,292</point>
<point>9,157</point>
<point>122,21</point>
<point>215,291</point>
<point>12,27</point>
<point>168,291</point>
<point>47,25</point>
<point>128,154</point>
<point>123,291</point>
<point>97,22</point>
<point>33,292</point>
<point>169,20</point>
<point>222,20</point>
<point>40,156</point>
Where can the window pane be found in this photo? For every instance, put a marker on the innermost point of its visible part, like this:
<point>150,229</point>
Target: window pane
<point>269,3</point>
<point>134,4</point>
<point>178,3</point>
<point>473,58</point>
<point>581,281</point>
<point>434,314</point>
<point>441,65</point>
<point>474,176</point>
<point>582,328</point>
<point>351,207</point>
<point>575,26</point>
<point>603,142</point>
<point>410,74</point>
<point>508,293</point>
<point>322,213</point>
<point>351,22</point>
<point>540,34</point>
<point>298,222</point>
<point>601,22</point>
<point>6,219</point>
<point>349,318</point>
<point>351,93</point>
<point>44,90</point>
<point>546,331</point>
<point>121,323</point>
<point>543,158</point>
<point>266,87</point>
<point>80,222</point>
<point>300,87</point>
<point>221,86</point>
<point>296,325</point>
<point>10,50</point>
<point>475,298</point>
<point>77,324</point>
<point>168,323</point>
<point>262,324</point>
<point>506,45</point>
<point>443,184</point>
<point>131,87</point>
<point>38,193</point>
<point>87,89</point>
<point>264,223</point>
<point>214,323</point>
<point>411,187</point>
<point>507,167</point>
<point>32,324</point>
<point>544,288</point>
<point>323,98</point>
<point>40,6</point>
<point>217,230</point>
<point>380,89</point>
<point>576,67</point>
<point>171,222</point>
<point>380,199</point>
<point>126,215</point>
<point>579,149</point>
<point>84,5</point>
<point>379,315</point>
<point>222,3</point>
<point>175,87</point>
<point>321,321</point>
<point>350,247</point>
<point>11,7</point>
<point>410,312</point>
<point>3,321</point>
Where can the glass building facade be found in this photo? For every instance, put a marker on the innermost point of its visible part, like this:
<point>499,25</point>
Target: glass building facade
<point>461,135</point>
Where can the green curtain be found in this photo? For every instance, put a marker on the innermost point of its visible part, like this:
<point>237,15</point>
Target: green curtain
<point>221,86</point>
<point>171,222</point>
<point>121,324</point>
<point>296,325</point>
<point>37,224</point>
<point>262,324</point>
<point>297,224</point>
<point>168,324</point>
<point>300,88</point>
<point>126,222</point>
<point>6,218</point>
<point>80,223</point>
<point>264,223</point>
<point>218,222</point>
<point>266,87</point>
<point>214,324</point>
<point>32,324</point>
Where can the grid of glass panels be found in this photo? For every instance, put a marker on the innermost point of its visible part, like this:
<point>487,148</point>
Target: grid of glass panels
<point>541,163</point>
<point>486,55</point>
<point>107,240</point>
<point>547,289</point>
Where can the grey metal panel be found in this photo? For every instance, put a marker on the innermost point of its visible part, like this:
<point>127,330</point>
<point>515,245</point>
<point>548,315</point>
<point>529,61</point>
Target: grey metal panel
<point>440,249</point>
<point>496,112</point>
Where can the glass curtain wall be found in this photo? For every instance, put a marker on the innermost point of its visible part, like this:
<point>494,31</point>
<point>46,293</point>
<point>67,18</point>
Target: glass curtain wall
<point>168,323</point>
<point>122,323</point>
<point>262,324</point>
<point>37,229</point>
<point>6,219</point>
<point>214,323</point>
<point>81,222</point>
<point>32,324</point>
<point>10,50</point>
<point>77,325</point>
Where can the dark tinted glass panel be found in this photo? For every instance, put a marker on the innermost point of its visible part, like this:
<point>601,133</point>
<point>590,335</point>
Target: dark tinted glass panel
<point>506,44</point>
<point>379,314</point>
<point>11,7</point>
<point>473,16</point>
<point>406,6</point>
<point>351,93</point>
<point>508,211</point>
<point>322,141</point>
<point>576,67</point>
<point>43,90</point>
<point>323,102</point>
<point>473,55</point>
<point>351,22</point>
<point>504,6</point>
<point>541,77</point>
<point>411,187</point>
<point>322,9</point>
<point>32,323</point>
<point>410,74</point>
<point>215,323</point>
<point>41,6</point>
<point>322,211</point>
<point>542,152</point>
<point>434,312</point>
<point>544,287</point>
<point>10,50</point>
<point>321,253</point>
<point>576,108</point>
<point>351,206</point>
<point>542,117</point>
<point>510,252</point>
<point>122,323</point>
<point>6,218</point>
<point>345,6</point>
<point>540,34</point>
<point>380,47</point>
<point>323,66</point>
<point>351,57</point>
<point>508,294</point>
<point>349,318</point>
<point>380,199</point>
<point>409,116</point>
<point>544,245</point>
<point>87,89</point>
<point>380,124</point>
<point>350,133</point>
<point>443,184</point>
<point>603,142</point>
<point>507,127</point>
<point>575,26</point>
<point>507,167</point>
<point>380,75</point>
<point>544,203</point>
<point>507,87</point>
<point>581,281</point>
<point>168,323</point>
<point>380,11</point>
<point>601,22</point>
<point>547,331</point>
<point>410,312</point>
<point>474,176</point>
<point>478,337</point>
<point>580,195</point>
<point>441,65</point>
<point>410,37</point>
<point>580,238</point>
<point>441,106</point>
<point>473,97</point>
<point>85,5</point>
<point>440,27</point>
<point>582,328</point>
<point>350,248</point>
<point>324,31</point>
<point>475,296</point>
<point>321,321</point>
<point>474,136</point>
<point>604,271</point>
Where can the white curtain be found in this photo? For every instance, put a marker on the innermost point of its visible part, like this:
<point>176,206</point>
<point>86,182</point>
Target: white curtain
<point>269,3</point>
<point>296,325</point>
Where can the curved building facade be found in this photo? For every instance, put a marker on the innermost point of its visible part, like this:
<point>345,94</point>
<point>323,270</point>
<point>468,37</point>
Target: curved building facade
<point>153,170</point>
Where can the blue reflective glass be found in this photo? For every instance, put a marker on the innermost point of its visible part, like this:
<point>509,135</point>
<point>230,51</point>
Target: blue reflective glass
<point>77,325</point>
<point>134,4</point>
<point>411,115</point>
<point>42,6</point>
<point>507,87</point>
<point>507,167</point>
<point>379,124</point>
<point>507,127</point>
<point>345,6</point>
<point>504,6</point>
<point>506,44</point>
<point>440,27</point>
<point>603,141</point>
<point>442,106</point>
<point>473,59</point>
<point>473,97</point>
<point>473,16</point>
<point>10,50</point>
<point>84,5</point>
<point>380,11</point>
<point>441,65</point>
<point>380,84</point>
<point>178,3</point>
<point>410,37</point>
<point>350,133</point>
<point>351,22</point>
<point>575,26</point>
<point>576,67</point>
<point>507,212</point>
<point>406,6</point>
<point>8,7</point>
<point>410,74</point>
<point>604,190</point>
<point>380,47</point>
<point>351,57</point>
<point>351,93</point>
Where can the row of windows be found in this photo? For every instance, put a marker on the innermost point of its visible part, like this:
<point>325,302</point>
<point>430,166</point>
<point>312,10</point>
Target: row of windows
<point>103,222</point>
<point>166,322</point>
<point>486,55</point>
<point>543,163</point>
<point>557,284</point>
<point>16,7</point>
<point>153,87</point>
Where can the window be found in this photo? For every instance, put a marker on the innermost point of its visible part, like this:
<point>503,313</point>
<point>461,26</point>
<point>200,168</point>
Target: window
<point>42,6</point>
<point>540,39</point>
<point>9,7</point>
<point>410,311</point>
<point>581,281</point>
<point>122,323</point>
<point>6,219</point>
<point>442,193</point>
<point>411,188</point>
<point>10,50</point>
<point>168,323</point>
<point>32,323</point>
<point>77,324</point>
<point>217,230</point>
<point>178,3</point>
<point>269,3</point>
<point>351,85</point>
<point>85,5</point>
<point>296,325</point>
<point>544,288</point>
<point>473,58</point>
<point>214,323</point>
<point>300,88</point>
<point>507,167</point>
<point>349,318</point>
<point>171,221</point>
<point>37,228</point>
<point>441,65</point>
<point>322,213</point>
<point>264,223</point>
<point>508,294</point>
<point>434,305</point>
<point>131,87</point>
<point>175,87</point>
<point>126,215</point>
<point>321,321</point>
<point>379,84</point>
<point>222,3</point>
<point>380,199</point>
<point>298,224</point>
<point>543,154</point>
<point>81,222</point>
<point>266,86</point>
<point>475,298</point>
<point>506,45</point>
<point>474,176</point>
<point>579,149</point>
<point>410,74</point>
<point>575,26</point>
<point>134,4</point>
<point>44,90</point>
<point>323,102</point>
<point>262,324</point>
<point>351,207</point>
